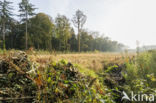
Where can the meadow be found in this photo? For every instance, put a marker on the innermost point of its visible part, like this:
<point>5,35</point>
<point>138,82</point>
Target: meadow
<point>94,61</point>
<point>76,77</point>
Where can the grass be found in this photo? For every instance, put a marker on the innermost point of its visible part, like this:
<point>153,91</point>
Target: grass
<point>85,71</point>
<point>94,61</point>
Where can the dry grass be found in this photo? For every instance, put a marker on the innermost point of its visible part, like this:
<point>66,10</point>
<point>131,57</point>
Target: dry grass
<point>93,61</point>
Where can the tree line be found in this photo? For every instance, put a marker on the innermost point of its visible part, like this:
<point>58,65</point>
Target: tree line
<point>42,32</point>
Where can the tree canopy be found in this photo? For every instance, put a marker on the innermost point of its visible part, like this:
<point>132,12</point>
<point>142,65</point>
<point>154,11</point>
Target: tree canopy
<point>45,33</point>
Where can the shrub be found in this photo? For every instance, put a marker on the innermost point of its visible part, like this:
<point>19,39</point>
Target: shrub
<point>63,82</point>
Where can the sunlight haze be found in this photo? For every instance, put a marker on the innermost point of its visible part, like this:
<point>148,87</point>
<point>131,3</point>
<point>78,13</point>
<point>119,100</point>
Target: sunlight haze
<point>123,20</point>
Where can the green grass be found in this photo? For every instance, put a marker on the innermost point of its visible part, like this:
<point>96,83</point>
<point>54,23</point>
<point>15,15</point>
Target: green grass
<point>86,71</point>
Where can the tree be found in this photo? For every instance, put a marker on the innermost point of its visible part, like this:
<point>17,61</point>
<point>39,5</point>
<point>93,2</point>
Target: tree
<point>86,40</point>
<point>79,20</point>
<point>5,17</point>
<point>73,41</point>
<point>41,31</point>
<point>26,10</point>
<point>12,34</point>
<point>63,31</point>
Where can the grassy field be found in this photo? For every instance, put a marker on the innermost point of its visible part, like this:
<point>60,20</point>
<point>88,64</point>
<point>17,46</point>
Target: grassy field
<point>94,61</point>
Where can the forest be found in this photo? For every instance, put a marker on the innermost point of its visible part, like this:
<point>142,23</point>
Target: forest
<point>29,29</point>
<point>45,59</point>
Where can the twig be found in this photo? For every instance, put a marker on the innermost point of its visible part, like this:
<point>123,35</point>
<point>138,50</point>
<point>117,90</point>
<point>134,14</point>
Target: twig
<point>19,70</point>
<point>4,99</point>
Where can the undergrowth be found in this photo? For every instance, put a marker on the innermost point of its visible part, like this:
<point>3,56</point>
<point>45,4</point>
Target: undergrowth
<point>65,82</point>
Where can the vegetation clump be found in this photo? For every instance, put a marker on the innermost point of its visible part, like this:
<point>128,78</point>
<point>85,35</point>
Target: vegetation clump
<point>63,82</point>
<point>57,82</point>
<point>136,75</point>
<point>15,83</point>
<point>21,80</point>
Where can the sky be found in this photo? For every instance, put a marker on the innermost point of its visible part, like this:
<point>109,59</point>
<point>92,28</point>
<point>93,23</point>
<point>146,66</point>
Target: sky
<point>125,21</point>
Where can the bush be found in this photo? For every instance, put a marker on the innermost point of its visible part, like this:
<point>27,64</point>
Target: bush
<point>137,75</point>
<point>63,82</point>
<point>141,75</point>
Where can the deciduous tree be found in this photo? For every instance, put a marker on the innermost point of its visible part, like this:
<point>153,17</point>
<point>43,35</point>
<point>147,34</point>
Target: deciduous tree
<point>63,31</point>
<point>41,31</point>
<point>79,20</point>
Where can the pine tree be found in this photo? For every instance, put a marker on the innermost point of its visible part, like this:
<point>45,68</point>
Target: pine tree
<point>26,10</point>
<point>5,17</point>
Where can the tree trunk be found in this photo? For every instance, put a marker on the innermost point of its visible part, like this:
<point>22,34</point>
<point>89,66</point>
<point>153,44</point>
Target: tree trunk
<point>26,34</point>
<point>26,37</point>
<point>3,35</point>
<point>38,46</point>
<point>78,38</point>
<point>60,45</point>
<point>50,45</point>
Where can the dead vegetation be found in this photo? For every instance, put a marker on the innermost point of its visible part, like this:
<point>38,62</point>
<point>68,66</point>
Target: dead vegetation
<point>61,78</point>
<point>15,83</point>
<point>56,81</point>
<point>94,61</point>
